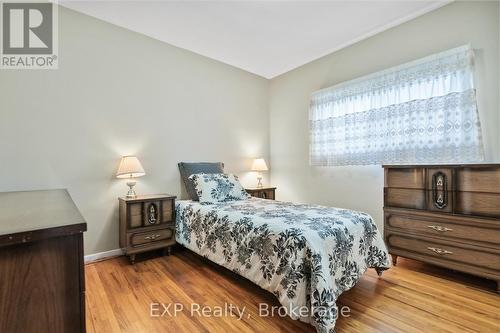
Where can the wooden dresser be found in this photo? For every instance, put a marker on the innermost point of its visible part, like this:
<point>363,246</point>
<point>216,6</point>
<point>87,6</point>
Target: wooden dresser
<point>42,281</point>
<point>445,215</point>
<point>147,222</point>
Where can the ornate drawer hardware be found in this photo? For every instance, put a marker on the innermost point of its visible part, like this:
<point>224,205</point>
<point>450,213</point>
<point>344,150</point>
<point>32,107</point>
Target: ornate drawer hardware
<point>152,213</point>
<point>152,237</point>
<point>439,251</point>
<point>440,190</point>
<point>439,228</point>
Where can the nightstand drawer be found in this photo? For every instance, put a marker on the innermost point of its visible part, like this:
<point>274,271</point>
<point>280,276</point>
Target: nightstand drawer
<point>263,193</point>
<point>142,238</point>
<point>135,213</point>
<point>168,211</point>
<point>267,194</point>
<point>136,209</point>
<point>135,221</point>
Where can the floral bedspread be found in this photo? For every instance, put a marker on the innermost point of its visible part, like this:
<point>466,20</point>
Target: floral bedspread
<point>306,255</point>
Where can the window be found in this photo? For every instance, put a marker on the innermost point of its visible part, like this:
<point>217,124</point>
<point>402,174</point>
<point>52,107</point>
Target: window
<point>420,112</point>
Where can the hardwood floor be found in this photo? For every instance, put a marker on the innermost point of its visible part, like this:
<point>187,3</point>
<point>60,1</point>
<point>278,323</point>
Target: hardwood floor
<point>411,297</point>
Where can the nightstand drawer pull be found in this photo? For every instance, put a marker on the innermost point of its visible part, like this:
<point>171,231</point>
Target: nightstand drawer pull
<point>439,228</point>
<point>439,251</point>
<point>152,237</point>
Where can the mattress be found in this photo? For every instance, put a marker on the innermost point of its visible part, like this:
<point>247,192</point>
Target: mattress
<point>306,255</point>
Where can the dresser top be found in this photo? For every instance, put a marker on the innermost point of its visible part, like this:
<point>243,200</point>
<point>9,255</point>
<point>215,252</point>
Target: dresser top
<point>38,210</point>
<point>473,165</point>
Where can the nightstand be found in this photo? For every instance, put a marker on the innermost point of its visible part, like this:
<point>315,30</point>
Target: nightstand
<point>262,192</point>
<point>147,223</point>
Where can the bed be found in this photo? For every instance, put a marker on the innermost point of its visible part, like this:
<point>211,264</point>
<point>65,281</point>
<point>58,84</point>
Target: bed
<point>306,255</point>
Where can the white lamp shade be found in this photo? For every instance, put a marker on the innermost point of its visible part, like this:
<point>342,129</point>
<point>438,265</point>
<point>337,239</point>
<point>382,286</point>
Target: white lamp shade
<point>130,167</point>
<point>259,164</point>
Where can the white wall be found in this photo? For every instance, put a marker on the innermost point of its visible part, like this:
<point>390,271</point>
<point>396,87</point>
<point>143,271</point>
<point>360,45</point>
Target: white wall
<point>361,187</point>
<point>117,92</point>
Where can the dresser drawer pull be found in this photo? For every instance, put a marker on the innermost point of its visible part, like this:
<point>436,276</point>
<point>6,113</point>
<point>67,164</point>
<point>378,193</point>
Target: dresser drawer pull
<point>439,228</point>
<point>152,237</point>
<point>439,251</point>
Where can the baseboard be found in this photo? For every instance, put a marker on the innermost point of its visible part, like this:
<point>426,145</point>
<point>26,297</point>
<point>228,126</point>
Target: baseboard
<point>102,255</point>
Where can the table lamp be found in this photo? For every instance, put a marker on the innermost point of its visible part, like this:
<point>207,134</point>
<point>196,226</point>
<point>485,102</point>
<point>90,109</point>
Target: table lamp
<point>259,165</point>
<point>130,167</point>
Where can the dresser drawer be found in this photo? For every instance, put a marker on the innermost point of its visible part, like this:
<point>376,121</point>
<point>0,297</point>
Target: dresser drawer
<point>405,178</point>
<point>404,198</point>
<point>480,204</point>
<point>485,179</point>
<point>486,233</point>
<point>436,250</point>
<point>138,239</point>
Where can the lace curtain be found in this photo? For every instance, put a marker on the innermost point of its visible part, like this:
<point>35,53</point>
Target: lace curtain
<point>421,112</point>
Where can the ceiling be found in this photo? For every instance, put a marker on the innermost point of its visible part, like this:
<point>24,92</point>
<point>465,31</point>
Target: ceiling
<point>266,38</point>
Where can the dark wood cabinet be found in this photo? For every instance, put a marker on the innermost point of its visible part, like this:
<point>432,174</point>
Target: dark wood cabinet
<point>262,192</point>
<point>447,215</point>
<point>147,223</point>
<point>42,282</point>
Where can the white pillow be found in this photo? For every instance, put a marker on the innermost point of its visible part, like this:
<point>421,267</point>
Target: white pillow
<point>218,187</point>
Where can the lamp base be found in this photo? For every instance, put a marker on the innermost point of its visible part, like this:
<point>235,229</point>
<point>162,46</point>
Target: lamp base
<point>131,192</point>
<point>259,183</point>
